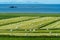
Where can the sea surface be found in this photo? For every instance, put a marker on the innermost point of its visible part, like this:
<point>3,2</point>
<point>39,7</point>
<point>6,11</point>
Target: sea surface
<point>36,8</point>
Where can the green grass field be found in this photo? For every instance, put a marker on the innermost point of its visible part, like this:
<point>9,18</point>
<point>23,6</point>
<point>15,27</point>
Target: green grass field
<point>28,38</point>
<point>14,26</point>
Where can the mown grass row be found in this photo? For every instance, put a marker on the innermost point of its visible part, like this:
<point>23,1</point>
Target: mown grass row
<point>51,23</point>
<point>31,34</point>
<point>32,24</point>
<point>27,31</point>
<point>14,20</point>
<point>55,25</point>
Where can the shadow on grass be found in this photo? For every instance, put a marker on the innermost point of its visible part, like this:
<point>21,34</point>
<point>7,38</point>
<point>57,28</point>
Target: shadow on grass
<point>30,36</point>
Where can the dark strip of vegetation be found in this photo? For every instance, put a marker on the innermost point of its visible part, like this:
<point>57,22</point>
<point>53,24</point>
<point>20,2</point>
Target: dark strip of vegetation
<point>31,14</point>
<point>6,17</point>
<point>52,29</point>
<point>31,36</point>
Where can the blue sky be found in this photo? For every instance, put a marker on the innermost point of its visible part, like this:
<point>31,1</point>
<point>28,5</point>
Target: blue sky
<point>30,1</point>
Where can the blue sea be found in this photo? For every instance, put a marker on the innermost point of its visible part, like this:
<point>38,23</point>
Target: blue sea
<point>35,8</point>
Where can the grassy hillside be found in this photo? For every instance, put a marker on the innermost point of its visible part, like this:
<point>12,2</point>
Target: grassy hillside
<point>29,24</point>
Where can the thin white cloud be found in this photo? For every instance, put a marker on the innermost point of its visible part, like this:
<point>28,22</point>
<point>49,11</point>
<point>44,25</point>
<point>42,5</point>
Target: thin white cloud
<point>31,1</point>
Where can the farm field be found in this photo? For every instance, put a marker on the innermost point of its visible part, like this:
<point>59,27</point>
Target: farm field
<point>29,25</point>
